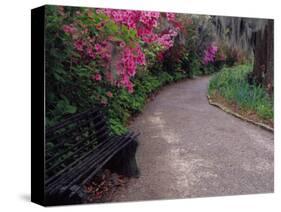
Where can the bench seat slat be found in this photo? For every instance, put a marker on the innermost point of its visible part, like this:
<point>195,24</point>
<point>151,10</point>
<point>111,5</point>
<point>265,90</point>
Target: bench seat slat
<point>89,163</point>
<point>108,158</point>
<point>94,172</point>
<point>93,151</point>
<point>81,145</point>
<point>97,165</point>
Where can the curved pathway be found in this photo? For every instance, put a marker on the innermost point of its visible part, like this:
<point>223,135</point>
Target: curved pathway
<point>188,148</point>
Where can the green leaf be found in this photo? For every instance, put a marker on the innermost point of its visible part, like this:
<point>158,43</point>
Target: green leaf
<point>70,109</point>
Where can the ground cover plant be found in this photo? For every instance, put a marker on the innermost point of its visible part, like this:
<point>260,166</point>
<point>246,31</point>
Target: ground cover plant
<point>250,99</point>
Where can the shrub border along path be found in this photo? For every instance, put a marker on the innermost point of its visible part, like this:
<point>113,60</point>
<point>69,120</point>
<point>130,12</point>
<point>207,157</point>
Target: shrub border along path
<point>227,110</point>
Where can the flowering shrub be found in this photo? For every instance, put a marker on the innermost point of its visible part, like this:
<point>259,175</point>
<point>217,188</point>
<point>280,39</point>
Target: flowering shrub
<point>112,38</point>
<point>166,40</point>
<point>229,55</point>
<point>93,53</point>
<point>115,58</point>
<point>144,23</point>
<point>210,54</point>
<point>141,21</point>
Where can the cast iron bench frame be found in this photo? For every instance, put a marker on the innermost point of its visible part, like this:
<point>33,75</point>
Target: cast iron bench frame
<point>77,149</point>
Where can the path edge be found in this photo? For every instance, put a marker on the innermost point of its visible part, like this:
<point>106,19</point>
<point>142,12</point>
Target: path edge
<point>264,126</point>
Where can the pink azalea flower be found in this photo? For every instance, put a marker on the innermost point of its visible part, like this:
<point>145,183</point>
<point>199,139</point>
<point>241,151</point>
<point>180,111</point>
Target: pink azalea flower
<point>171,16</point>
<point>91,53</point>
<point>122,44</point>
<point>69,29</point>
<point>98,47</point>
<point>79,45</point>
<point>210,54</point>
<point>97,77</point>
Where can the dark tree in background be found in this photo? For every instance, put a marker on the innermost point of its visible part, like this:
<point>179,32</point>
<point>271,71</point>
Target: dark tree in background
<point>256,37</point>
<point>263,57</point>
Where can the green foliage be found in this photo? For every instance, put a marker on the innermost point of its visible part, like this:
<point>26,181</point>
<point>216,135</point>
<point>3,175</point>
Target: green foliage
<point>72,86</point>
<point>195,69</point>
<point>124,104</point>
<point>232,84</point>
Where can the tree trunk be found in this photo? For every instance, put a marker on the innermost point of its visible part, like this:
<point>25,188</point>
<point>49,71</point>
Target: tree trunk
<point>263,58</point>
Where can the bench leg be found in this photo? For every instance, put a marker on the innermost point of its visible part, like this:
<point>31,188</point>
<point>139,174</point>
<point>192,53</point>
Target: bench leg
<point>124,162</point>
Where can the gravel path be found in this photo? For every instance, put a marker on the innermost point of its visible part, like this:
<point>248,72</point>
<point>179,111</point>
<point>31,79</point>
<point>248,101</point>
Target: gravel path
<point>188,148</point>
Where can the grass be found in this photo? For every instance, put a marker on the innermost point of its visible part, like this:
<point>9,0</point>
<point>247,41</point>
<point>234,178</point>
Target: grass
<point>231,86</point>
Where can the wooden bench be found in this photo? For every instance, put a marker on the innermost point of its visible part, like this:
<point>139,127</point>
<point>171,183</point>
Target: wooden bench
<point>77,149</point>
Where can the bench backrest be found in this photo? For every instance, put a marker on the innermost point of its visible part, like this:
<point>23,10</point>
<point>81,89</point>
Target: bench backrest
<point>75,136</point>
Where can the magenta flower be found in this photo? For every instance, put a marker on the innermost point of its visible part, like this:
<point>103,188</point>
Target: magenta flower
<point>210,54</point>
<point>79,45</point>
<point>171,16</point>
<point>122,44</point>
<point>98,47</point>
<point>91,53</point>
<point>119,65</point>
<point>69,29</point>
<point>97,77</point>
